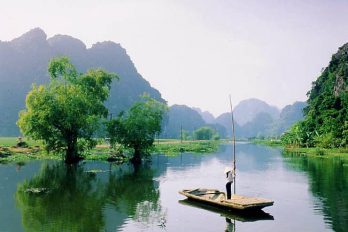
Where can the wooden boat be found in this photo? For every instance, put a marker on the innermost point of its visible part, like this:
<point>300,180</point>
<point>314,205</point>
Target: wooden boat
<point>217,198</point>
<point>238,215</point>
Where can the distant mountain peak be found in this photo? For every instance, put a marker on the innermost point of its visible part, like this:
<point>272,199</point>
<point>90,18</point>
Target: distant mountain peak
<point>24,60</point>
<point>106,44</point>
<point>206,115</point>
<point>36,35</point>
<point>247,110</point>
<point>64,40</point>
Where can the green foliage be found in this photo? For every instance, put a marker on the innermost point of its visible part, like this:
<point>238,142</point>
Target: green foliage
<point>205,133</point>
<point>137,128</point>
<point>295,136</point>
<point>186,135</point>
<point>272,142</point>
<point>326,116</point>
<point>65,113</point>
<point>175,147</point>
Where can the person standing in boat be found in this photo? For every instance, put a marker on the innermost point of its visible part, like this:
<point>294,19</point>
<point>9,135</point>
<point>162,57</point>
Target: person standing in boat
<point>229,176</point>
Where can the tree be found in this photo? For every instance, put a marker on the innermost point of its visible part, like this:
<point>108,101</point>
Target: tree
<point>205,133</point>
<point>136,129</point>
<point>65,113</point>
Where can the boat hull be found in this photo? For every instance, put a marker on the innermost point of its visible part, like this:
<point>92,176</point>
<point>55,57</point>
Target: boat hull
<point>218,199</point>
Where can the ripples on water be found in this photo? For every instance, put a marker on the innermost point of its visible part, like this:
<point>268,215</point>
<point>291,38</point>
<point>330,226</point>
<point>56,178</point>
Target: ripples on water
<point>310,194</point>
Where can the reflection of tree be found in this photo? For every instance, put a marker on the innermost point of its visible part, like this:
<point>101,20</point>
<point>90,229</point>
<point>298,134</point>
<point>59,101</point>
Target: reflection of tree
<point>134,193</point>
<point>75,198</point>
<point>328,182</point>
<point>73,201</point>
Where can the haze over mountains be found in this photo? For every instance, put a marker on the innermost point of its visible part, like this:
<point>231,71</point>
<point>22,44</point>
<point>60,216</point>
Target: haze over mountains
<point>256,118</point>
<point>24,61</point>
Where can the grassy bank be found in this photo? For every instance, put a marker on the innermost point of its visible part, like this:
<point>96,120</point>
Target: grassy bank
<point>174,147</point>
<point>312,151</point>
<point>268,142</point>
<point>316,151</point>
<point>10,153</point>
<point>12,141</point>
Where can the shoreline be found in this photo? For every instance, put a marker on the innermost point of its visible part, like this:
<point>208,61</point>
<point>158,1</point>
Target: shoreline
<point>102,152</point>
<point>310,151</point>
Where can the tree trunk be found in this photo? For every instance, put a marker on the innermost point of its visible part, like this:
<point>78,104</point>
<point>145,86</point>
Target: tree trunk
<point>71,156</point>
<point>136,157</point>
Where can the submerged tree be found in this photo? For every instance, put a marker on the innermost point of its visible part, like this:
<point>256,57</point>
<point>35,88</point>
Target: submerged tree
<point>137,128</point>
<point>65,113</point>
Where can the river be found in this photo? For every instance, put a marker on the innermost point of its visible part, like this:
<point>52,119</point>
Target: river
<point>310,194</point>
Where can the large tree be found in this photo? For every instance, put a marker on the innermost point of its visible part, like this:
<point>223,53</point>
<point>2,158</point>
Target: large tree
<point>65,113</point>
<point>136,129</point>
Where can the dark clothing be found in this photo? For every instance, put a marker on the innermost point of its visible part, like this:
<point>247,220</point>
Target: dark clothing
<point>228,190</point>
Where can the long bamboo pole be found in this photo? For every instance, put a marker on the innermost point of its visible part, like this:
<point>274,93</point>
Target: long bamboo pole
<point>234,148</point>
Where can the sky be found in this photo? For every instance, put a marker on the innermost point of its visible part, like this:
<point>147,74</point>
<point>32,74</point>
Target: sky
<point>198,52</point>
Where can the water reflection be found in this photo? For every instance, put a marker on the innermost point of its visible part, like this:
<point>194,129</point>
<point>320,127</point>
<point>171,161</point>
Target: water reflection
<point>135,193</point>
<point>230,226</point>
<point>76,199</point>
<point>328,183</point>
<point>97,196</point>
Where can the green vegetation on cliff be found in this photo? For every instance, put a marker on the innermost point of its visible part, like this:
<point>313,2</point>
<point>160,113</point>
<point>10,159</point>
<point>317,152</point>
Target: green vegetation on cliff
<point>326,116</point>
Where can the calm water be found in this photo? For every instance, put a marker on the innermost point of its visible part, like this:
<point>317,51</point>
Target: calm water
<point>310,194</point>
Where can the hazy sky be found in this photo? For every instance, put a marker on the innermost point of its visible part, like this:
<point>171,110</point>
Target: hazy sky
<point>197,52</point>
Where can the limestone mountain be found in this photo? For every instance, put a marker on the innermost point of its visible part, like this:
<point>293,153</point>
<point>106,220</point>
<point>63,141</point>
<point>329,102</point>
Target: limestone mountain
<point>187,118</point>
<point>206,115</point>
<point>24,61</point>
<point>289,115</point>
<point>326,116</point>
<point>247,110</point>
<point>181,116</point>
<point>265,123</point>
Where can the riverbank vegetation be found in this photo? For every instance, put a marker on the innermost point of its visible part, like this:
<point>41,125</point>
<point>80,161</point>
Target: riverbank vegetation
<point>9,152</point>
<point>317,151</point>
<point>174,147</point>
<point>269,142</point>
<point>294,148</point>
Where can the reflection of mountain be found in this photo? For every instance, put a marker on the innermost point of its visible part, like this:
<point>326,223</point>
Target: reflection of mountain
<point>329,183</point>
<point>76,199</point>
